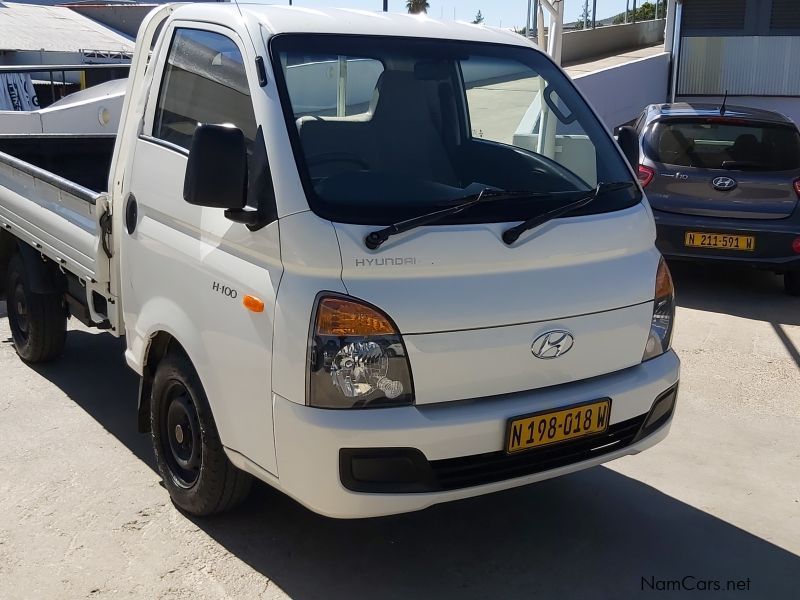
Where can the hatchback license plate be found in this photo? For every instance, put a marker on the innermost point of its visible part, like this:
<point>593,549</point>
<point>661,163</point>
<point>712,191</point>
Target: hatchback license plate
<point>552,427</point>
<point>722,241</point>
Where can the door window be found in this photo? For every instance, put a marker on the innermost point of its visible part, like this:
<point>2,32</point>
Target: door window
<point>511,103</point>
<point>204,82</point>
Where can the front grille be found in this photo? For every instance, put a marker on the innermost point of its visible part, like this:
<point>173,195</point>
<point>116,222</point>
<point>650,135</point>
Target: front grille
<point>478,469</point>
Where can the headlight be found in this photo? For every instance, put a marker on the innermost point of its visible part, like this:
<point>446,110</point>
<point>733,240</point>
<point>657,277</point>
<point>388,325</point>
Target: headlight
<point>660,338</point>
<point>357,358</point>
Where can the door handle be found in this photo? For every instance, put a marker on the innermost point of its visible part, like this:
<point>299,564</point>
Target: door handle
<point>131,214</point>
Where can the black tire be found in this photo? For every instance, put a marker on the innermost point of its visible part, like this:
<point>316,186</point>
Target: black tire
<point>196,472</point>
<point>791,283</point>
<point>38,322</point>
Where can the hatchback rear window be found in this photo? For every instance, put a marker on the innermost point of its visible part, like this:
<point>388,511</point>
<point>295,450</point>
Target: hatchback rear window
<point>724,144</point>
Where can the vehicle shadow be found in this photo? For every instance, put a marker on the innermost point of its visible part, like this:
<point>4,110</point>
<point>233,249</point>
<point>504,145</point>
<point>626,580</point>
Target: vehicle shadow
<point>104,386</point>
<point>594,534</point>
<point>737,291</point>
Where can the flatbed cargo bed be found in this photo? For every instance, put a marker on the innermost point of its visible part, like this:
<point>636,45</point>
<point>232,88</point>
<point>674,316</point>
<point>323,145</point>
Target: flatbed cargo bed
<point>58,217</point>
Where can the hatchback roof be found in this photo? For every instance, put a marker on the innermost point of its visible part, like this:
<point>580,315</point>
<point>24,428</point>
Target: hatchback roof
<point>686,109</point>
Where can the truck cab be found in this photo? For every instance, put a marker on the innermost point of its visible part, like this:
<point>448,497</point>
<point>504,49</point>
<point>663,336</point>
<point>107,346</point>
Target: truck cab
<point>377,261</point>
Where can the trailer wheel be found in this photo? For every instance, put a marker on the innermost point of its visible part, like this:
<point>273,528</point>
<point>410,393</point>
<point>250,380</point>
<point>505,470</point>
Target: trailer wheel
<point>791,282</point>
<point>196,472</point>
<point>38,321</point>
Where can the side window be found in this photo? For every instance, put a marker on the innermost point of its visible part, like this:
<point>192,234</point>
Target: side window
<point>204,82</point>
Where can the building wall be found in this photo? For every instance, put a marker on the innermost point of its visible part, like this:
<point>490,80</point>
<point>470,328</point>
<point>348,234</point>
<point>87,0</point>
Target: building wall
<point>589,43</point>
<point>747,47</point>
<point>643,81</point>
<point>726,18</point>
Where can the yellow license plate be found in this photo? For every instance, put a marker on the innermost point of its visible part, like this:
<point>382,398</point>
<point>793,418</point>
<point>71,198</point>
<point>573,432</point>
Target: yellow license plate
<point>541,429</point>
<point>722,241</point>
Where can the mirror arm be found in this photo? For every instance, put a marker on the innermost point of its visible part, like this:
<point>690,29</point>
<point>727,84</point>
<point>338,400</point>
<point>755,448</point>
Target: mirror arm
<point>245,216</point>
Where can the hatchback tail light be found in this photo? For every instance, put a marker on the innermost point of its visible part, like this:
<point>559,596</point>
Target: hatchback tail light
<point>646,175</point>
<point>797,186</point>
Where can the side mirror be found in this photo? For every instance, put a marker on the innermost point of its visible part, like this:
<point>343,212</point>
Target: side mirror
<point>628,141</point>
<point>216,173</point>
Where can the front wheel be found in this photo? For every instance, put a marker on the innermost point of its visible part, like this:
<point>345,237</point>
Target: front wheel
<point>791,283</point>
<point>196,472</point>
<point>38,322</point>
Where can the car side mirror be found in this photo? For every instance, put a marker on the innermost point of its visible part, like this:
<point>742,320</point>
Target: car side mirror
<point>216,172</point>
<point>628,141</point>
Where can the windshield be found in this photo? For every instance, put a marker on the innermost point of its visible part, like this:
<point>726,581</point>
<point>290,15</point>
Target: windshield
<point>722,143</point>
<point>388,128</point>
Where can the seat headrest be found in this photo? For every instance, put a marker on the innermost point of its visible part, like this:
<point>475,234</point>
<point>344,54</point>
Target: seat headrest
<point>399,95</point>
<point>745,147</point>
<point>669,142</point>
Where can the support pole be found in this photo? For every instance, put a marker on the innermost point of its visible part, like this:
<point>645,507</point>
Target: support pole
<point>528,21</point>
<point>676,49</point>
<point>540,37</point>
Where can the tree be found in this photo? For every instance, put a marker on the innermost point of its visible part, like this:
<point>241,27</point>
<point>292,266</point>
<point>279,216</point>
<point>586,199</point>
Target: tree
<point>417,6</point>
<point>645,12</point>
<point>584,17</point>
<point>478,19</point>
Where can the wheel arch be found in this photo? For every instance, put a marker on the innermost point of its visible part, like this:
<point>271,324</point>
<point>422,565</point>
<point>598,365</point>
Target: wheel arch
<point>160,344</point>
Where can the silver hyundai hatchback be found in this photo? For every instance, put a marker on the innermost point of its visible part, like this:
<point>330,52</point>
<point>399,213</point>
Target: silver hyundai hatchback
<point>724,184</point>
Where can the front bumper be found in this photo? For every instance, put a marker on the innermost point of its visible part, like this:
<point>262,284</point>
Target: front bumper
<point>309,440</point>
<point>774,239</point>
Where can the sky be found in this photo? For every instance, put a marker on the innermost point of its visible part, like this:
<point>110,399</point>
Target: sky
<point>505,13</point>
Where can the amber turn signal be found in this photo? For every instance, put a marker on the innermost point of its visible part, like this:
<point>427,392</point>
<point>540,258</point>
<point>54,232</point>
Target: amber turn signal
<point>337,316</point>
<point>253,304</point>
<point>664,286</point>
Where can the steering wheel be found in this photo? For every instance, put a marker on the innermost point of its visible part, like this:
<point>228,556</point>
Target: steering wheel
<point>330,157</point>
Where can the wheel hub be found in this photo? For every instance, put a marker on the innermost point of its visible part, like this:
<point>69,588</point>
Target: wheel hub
<point>21,310</point>
<point>180,435</point>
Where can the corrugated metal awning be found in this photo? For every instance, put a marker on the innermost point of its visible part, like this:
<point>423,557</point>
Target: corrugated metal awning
<point>55,29</point>
<point>744,66</point>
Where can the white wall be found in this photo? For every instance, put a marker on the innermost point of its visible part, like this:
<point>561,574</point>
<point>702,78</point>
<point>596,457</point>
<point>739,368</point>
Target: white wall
<point>590,43</point>
<point>620,93</point>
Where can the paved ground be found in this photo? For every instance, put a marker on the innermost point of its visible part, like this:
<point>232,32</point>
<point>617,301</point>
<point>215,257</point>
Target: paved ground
<point>82,514</point>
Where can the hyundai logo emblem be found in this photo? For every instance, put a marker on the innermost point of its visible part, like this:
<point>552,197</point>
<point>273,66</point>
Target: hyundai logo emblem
<point>552,344</point>
<point>724,184</point>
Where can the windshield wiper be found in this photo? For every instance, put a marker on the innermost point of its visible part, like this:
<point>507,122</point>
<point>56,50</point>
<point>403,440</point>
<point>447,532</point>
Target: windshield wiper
<point>512,234</point>
<point>376,238</point>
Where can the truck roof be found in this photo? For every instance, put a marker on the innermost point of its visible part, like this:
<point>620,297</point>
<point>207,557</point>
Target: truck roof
<point>296,19</point>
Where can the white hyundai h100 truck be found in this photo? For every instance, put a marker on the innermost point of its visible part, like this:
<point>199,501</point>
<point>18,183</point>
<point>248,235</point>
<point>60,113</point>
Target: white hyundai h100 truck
<point>377,261</point>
